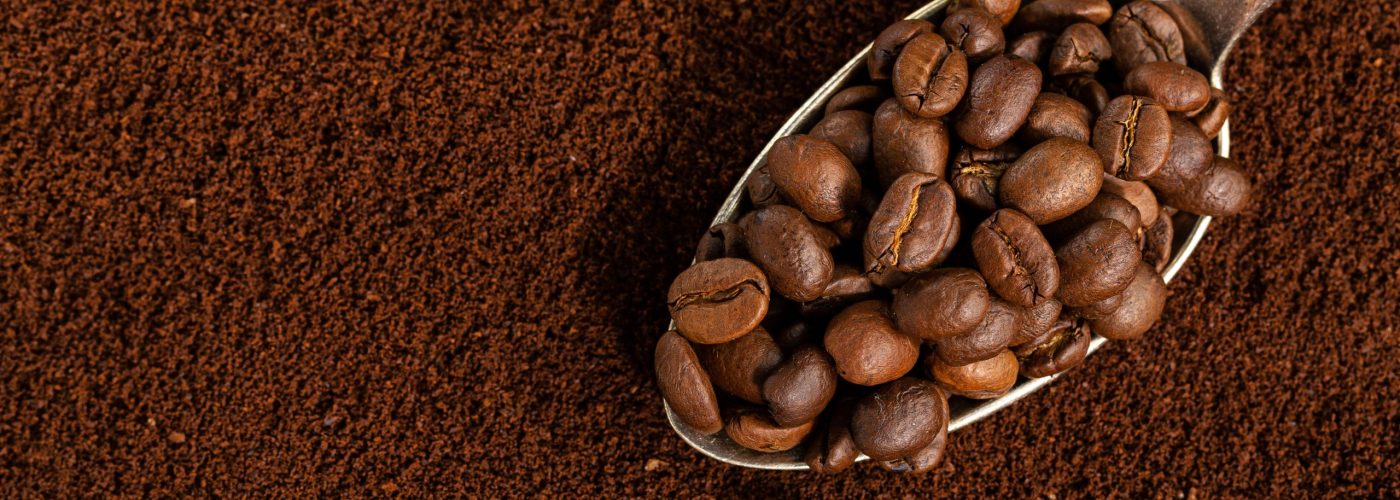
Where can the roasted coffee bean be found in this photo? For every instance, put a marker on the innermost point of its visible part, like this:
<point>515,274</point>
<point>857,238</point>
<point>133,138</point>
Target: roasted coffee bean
<point>1015,258</point>
<point>1105,206</point>
<point>739,367</point>
<point>1213,117</point>
<point>719,300</point>
<point>930,76</point>
<point>1080,49</point>
<point>796,334</point>
<point>1157,243</point>
<point>1174,86</point>
<point>1096,263</point>
<point>899,419</point>
<point>1083,88</point>
<point>685,386</point>
<point>833,450</point>
<point>1099,309</point>
<point>762,191</point>
<point>816,176</point>
<point>1036,320</point>
<point>1198,48</point>
<point>800,389</point>
<point>849,131</point>
<point>721,240</point>
<point>1141,305</point>
<point>915,227</point>
<point>1132,137</point>
<point>1056,115</point>
<point>905,142</point>
<point>975,174</point>
<point>1222,190</point>
<point>1056,15</point>
<point>1003,10</point>
<point>1052,180</point>
<point>887,46</point>
<point>1060,348</point>
<point>986,379</point>
<point>848,286</point>
<point>1140,33</point>
<point>974,31</point>
<point>990,336</point>
<point>1188,158</point>
<point>1137,193</point>
<point>790,250</point>
<point>1001,94</point>
<point>859,98</point>
<point>923,460</point>
<point>866,346</point>
<point>852,227</point>
<point>752,428</point>
<point>1034,46</point>
<point>941,304</point>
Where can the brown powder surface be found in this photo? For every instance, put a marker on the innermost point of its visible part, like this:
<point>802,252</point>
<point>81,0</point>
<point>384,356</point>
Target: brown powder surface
<point>405,248</point>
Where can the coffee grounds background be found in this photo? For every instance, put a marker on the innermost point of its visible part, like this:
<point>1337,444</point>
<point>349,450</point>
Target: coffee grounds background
<point>406,249</point>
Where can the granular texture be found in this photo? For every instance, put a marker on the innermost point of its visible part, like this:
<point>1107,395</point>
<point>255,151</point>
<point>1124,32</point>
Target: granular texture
<point>344,249</point>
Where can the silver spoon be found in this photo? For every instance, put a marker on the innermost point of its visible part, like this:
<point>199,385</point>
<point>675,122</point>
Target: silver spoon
<point>1221,23</point>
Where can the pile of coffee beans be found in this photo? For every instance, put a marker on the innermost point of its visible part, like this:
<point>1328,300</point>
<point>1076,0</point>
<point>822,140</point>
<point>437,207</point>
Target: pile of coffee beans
<point>998,186</point>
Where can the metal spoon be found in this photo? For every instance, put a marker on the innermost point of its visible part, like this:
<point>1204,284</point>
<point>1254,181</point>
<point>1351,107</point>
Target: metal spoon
<point>1221,23</point>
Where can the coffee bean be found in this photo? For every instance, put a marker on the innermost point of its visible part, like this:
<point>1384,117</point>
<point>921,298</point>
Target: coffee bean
<point>1188,158</point>
<point>790,250</point>
<point>800,389</point>
<point>1052,180</point>
<point>1003,10</point>
<point>1132,137</point>
<point>848,285</point>
<point>975,174</point>
<point>1222,190</point>
<point>685,386</point>
<point>1174,86</point>
<point>925,459</point>
<point>1036,320</point>
<point>752,428</point>
<point>852,227</point>
<point>986,379</point>
<point>1157,243</point>
<point>1082,88</point>
<point>866,346</point>
<point>974,31</point>
<point>719,300</point>
<point>1034,46</point>
<point>941,304</point>
<point>915,227</point>
<point>1056,15</point>
<point>739,367</point>
<point>1140,33</point>
<point>859,98</point>
<point>1137,193</point>
<point>816,176</point>
<point>721,240</point>
<point>899,419</point>
<point>1198,47</point>
<point>833,450</point>
<point>1056,115</point>
<point>1096,263</point>
<point>849,131</point>
<point>796,334</point>
<point>930,76</point>
<point>990,336</point>
<point>1079,49</point>
<point>887,46</point>
<point>1105,206</point>
<point>1099,309</point>
<point>762,192</point>
<point>1141,305</point>
<point>905,142</point>
<point>1213,117</point>
<point>1015,258</point>
<point>1000,96</point>
<point>1060,348</point>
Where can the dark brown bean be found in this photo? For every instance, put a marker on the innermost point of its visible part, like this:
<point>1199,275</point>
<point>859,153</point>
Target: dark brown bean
<point>899,419</point>
<point>1003,10</point>
<point>1105,206</point>
<point>942,304</point>
<point>796,334</point>
<point>833,450</point>
<point>1001,94</point>
<point>1097,262</point>
<point>866,346</point>
<point>685,386</point>
<point>986,379</point>
<point>887,46</point>
<point>990,336</point>
<point>1141,306</point>
<point>719,300</point>
<point>1137,193</point>
<point>1132,137</point>
<point>816,176</point>
<point>1080,49</point>
<point>1036,320</point>
<point>1222,190</point>
<point>930,76</point>
<point>752,428</point>
<point>975,173</point>
<point>1056,115</point>
<point>739,367</point>
<point>848,286</point>
<point>1060,348</point>
<point>1034,46</point>
<point>1056,15</point>
<point>1212,118</point>
<point>1015,258</point>
<point>1140,33</point>
<point>849,131</point>
<point>1188,158</point>
<point>762,191</point>
<point>1083,88</point>
<point>790,250</point>
<point>1175,86</point>
<point>974,31</point>
<point>912,229</point>
<point>1099,309</point>
<point>1198,47</point>
<point>800,389</point>
<point>1052,180</point>
<point>905,142</point>
<point>859,98</point>
<point>1157,243</point>
<point>925,459</point>
<point>721,240</point>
